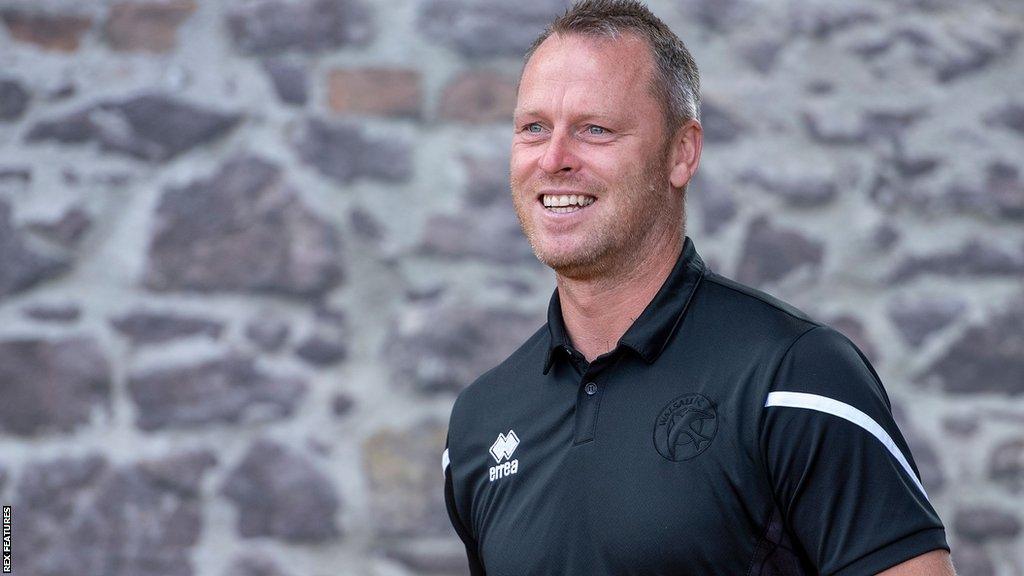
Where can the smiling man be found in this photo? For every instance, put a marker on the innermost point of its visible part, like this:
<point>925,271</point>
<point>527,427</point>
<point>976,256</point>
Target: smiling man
<point>666,420</point>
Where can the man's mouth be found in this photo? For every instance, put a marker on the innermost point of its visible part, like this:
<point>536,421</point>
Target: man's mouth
<point>565,203</point>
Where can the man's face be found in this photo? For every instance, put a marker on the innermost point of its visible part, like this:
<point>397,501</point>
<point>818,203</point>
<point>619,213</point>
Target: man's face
<point>586,125</point>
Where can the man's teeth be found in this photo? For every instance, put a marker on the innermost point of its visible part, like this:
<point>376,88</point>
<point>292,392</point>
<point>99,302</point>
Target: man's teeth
<point>573,200</point>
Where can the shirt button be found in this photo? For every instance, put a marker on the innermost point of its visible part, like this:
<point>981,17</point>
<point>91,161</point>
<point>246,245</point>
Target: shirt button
<point>590,388</point>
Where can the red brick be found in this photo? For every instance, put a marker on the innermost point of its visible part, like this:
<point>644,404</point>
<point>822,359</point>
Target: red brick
<point>479,96</point>
<point>375,91</point>
<point>146,27</point>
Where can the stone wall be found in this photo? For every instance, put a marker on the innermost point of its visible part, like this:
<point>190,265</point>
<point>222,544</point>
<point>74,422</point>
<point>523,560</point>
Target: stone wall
<point>251,250</point>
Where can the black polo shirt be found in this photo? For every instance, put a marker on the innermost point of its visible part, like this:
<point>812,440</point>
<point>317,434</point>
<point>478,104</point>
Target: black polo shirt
<point>727,433</point>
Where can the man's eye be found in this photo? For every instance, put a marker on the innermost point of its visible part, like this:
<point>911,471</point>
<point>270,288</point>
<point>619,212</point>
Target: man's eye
<point>534,128</point>
<point>596,130</point>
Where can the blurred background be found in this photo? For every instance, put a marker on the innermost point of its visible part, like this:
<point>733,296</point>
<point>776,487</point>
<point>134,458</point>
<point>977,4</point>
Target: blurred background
<point>251,251</point>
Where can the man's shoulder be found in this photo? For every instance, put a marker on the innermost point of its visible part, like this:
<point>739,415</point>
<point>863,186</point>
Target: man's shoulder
<point>763,305</point>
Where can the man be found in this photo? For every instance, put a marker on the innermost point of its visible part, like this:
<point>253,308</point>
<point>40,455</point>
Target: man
<point>666,420</point>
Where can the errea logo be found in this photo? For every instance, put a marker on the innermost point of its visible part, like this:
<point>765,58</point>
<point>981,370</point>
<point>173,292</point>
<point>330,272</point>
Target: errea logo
<point>502,449</point>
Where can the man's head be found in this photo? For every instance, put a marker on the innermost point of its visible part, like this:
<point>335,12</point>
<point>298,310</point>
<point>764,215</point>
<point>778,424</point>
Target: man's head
<point>606,112</point>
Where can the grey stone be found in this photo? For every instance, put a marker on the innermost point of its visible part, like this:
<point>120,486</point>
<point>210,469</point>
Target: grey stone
<point>289,79</point>
<point>720,125</point>
<point>257,564</point>
<point>268,333</point>
<point>821,22</point>
<point>487,180</point>
<point>715,201</point>
<point>54,312</point>
<point>280,493</point>
<point>14,99</point>
<point>322,349</point>
<point>147,126</point>
<point>974,258</point>
<point>83,516</point>
<point>972,56</point>
<point>242,229</point>
<point>181,472</point>
<point>489,234</point>
<point>227,389</point>
<point>1000,194</point>
<point>916,319</point>
<point>46,29</point>
<point>925,456</point>
<point>1010,115</point>
<point>799,191</point>
<point>51,385</point>
<point>306,26</point>
<point>985,523</point>
<point>341,405</point>
<point>145,327</point>
<point>474,340</point>
<point>970,558</point>
<point>986,358</point>
<point>67,230</point>
<point>486,28</point>
<point>24,264</point>
<point>343,153</point>
<point>771,253</point>
<point>364,224</point>
<point>719,16</point>
<point>1006,465</point>
<point>762,54</point>
<point>402,469</point>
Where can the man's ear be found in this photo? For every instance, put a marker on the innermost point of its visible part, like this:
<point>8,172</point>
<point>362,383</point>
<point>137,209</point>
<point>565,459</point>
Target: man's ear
<point>684,155</point>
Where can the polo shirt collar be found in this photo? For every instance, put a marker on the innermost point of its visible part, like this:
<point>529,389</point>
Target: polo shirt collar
<point>649,333</point>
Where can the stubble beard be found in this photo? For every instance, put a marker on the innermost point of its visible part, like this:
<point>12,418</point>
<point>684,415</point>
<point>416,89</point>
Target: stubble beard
<point>614,243</point>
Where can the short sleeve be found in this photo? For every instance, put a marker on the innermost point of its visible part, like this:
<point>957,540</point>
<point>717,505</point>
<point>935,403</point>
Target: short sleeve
<point>475,567</point>
<point>840,469</point>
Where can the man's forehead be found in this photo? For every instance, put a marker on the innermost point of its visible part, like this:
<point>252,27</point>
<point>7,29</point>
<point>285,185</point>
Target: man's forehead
<point>584,62</point>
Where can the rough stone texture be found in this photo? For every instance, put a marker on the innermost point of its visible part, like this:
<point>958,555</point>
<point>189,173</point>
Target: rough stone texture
<point>375,91</point>
<point>985,523</point>
<point>56,32</point>
<point>771,253</point>
<point>402,468</point>
<point>308,26</point>
<point>244,228</point>
<point>54,312</point>
<point>916,319</point>
<point>280,493</point>
<point>143,327</point>
<point>84,516</point>
<point>148,126</point>
<point>255,565</point>
<point>1009,116</point>
<point>1006,465</point>
<point>224,390</point>
<point>344,153</point>
<point>479,96</point>
<point>65,231</point>
<point>25,264</point>
<point>974,258</point>
<point>147,27</point>
<point>426,360</point>
<point>484,28</point>
<point>322,349</point>
<point>987,357</point>
<point>797,190</point>
<point>489,234</point>
<point>267,333</point>
<point>51,385</point>
<point>289,78</point>
<point>14,99</point>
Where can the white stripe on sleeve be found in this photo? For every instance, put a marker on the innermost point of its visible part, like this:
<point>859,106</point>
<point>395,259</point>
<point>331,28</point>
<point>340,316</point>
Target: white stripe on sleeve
<point>846,412</point>
<point>444,461</point>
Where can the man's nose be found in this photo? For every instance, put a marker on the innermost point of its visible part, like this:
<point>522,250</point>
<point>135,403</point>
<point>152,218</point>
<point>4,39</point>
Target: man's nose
<point>559,154</point>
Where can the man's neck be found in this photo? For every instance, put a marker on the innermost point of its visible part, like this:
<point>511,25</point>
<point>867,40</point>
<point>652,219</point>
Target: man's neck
<point>598,311</point>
